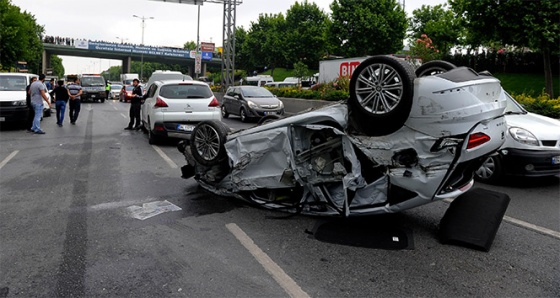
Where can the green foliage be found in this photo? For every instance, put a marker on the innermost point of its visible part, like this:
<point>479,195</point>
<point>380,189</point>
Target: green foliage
<point>304,37</point>
<point>190,45</point>
<point>361,28</point>
<point>424,49</point>
<point>20,37</point>
<point>524,83</point>
<point>300,70</point>
<point>265,41</point>
<point>541,104</point>
<point>437,22</point>
<point>56,64</point>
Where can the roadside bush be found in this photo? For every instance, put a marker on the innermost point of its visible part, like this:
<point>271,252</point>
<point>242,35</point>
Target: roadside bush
<point>542,104</point>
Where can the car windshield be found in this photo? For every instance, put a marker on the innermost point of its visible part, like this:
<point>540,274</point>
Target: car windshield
<point>92,81</point>
<point>513,107</point>
<point>256,92</point>
<point>129,88</point>
<point>185,91</point>
<point>116,87</point>
<point>12,83</point>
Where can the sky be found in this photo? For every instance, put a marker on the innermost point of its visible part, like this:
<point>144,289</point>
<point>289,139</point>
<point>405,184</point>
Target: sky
<point>173,24</point>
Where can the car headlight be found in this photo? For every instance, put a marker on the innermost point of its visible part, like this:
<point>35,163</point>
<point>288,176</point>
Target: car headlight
<point>281,104</point>
<point>19,103</point>
<point>252,105</point>
<point>523,136</point>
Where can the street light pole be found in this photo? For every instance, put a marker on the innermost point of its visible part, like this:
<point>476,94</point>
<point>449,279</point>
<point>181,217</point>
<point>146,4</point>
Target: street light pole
<point>142,44</point>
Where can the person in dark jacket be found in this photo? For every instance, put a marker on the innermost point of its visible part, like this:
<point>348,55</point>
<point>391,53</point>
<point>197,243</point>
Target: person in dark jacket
<point>135,104</point>
<point>61,95</point>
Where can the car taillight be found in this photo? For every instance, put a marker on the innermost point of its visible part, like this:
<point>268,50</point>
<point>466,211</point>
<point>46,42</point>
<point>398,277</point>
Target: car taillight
<point>160,103</point>
<point>214,103</point>
<point>477,139</point>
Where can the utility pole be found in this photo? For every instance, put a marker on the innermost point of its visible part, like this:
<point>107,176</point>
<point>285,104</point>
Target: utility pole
<point>143,18</point>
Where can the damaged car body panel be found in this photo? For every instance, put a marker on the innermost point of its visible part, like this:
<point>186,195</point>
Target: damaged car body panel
<point>323,162</point>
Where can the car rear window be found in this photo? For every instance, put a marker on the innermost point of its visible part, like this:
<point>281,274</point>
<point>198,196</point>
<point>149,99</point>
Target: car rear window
<point>185,91</point>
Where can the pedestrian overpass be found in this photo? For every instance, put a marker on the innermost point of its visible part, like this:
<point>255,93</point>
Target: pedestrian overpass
<point>127,53</point>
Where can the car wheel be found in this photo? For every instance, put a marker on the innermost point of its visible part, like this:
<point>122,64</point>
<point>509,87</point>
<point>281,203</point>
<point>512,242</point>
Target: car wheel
<point>152,138</point>
<point>207,142</point>
<point>434,67</point>
<point>243,115</point>
<point>267,119</point>
<point>102,100</point>
<point>48,113</point>
<point>381,90</point>
<point>491,170</point>
<point>225,114</point>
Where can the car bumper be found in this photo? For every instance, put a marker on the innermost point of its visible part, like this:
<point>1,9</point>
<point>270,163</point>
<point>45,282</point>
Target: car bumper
<point>92,96</point>
<point>173,129</point>
<point>261,113</point>
<point>531,163</point>
<point>13,114</point>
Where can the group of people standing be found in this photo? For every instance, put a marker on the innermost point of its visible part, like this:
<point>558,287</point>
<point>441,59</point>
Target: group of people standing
<point>37,93</point>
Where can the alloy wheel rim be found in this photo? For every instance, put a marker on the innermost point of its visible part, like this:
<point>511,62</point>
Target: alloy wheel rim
<point>379,88</point>
<point>487,169</point>
<point>207,142</point>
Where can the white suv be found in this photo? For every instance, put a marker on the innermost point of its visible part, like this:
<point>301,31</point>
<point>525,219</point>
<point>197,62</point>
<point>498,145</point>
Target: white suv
<point>172,108</point>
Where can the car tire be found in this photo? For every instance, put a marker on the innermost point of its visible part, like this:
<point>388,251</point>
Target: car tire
<point>381,90</point>
<point>102,100</point>
<point>152,138</point>
<point>491,170</point>
<point>434,67</point>
<point>48,113</point>
<point>225,114</point>
<point>243,115</point>
<point>267,119</point>
<point>207,142</point>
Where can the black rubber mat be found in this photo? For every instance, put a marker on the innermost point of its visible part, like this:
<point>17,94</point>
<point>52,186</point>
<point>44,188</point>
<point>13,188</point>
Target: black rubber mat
<point>473,219</point>
<point>378,234</point>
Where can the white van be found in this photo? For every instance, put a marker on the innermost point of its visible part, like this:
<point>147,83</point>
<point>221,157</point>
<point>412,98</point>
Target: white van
<point>164,75</point>
<point>13,104</point>
<point>259,80</point>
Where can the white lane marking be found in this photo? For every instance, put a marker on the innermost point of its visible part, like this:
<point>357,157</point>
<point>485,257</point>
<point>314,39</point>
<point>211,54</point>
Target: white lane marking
<point>165,157</point>
<point>283,279</point>
<point>116,205</point>
<point>7,159</point>
<point>533,227</point>
<point>525,224</point>
<point>123,115</point>
<point>115,107</point>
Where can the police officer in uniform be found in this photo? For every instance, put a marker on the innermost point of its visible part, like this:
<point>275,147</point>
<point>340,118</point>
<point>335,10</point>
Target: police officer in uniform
<point>135,104</point>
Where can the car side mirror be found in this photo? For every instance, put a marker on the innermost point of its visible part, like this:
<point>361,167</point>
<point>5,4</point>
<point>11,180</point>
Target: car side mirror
<point>236,96</point>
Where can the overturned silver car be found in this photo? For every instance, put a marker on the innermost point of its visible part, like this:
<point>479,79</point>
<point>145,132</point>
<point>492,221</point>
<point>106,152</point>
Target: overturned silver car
<point>398,142</point>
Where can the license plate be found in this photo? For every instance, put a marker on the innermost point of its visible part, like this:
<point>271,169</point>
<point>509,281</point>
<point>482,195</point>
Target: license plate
<point>556,160</point>
<point>2,119</point>
<point>185,127</point>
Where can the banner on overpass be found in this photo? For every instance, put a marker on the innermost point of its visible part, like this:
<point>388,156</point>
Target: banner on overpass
<point>132,49</point>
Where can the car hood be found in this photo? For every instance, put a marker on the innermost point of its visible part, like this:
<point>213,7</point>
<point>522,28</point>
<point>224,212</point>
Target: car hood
<point>544,128</point>
<point>264,100</point>
<point>12,95</point>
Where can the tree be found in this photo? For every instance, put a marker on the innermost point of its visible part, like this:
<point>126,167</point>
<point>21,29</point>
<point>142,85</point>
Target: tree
<point>361,28</point>
<point>20,37</point>
<point>300,70</point>
<point>437,22</point>
<point>305,38</point>
<point>242,53</point>
<point>190,45</point>
<point>265,41</point>
<point>531,24</point>
<point>56,64</point>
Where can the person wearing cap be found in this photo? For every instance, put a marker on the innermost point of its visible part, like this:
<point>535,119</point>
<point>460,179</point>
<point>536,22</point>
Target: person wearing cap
<point>135,105</point>
<point>38,94</point>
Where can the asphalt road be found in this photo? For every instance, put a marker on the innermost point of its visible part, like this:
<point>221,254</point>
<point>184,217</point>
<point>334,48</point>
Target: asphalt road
<point>66,230</point>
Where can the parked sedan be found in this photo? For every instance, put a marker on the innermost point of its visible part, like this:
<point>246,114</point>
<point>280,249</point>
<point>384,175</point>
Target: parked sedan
<point>173,107</point>
<point>115,91</point>
<point>250,102</point>
<point>126,93</point>
<point>532,147</point>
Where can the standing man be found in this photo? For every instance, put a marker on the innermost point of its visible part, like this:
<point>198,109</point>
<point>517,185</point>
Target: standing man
<point>61,95</point>
<point>38,94</point>
<point>135,104</point>
<point>74,92</point>
<point>107,89</point>
<point>31,114</point>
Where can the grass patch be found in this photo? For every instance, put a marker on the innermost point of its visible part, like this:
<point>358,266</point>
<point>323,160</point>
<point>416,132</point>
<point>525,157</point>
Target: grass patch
<point>525,83</point>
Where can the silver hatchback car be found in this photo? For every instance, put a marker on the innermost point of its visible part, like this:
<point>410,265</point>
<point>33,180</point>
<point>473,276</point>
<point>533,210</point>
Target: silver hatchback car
<point>250,102</point>
<point>173,108</point>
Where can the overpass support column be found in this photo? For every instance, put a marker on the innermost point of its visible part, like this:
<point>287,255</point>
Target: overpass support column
<point>126,62</point>
<point>46,62</point>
